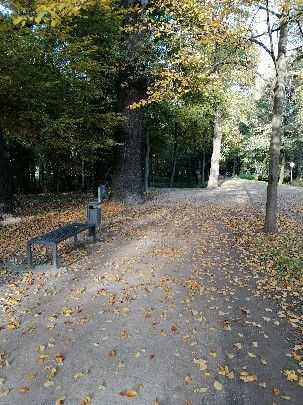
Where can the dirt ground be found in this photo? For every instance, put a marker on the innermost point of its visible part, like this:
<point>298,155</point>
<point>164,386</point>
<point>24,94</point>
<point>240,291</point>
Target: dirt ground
<point>164,310</point>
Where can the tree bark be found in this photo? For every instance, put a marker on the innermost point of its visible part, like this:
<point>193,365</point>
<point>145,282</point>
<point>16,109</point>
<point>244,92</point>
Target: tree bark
<point>215,158</point>
<point>128,179</point>
<point>7,205</point>
<point>270,224</point>
<point>282,170</point>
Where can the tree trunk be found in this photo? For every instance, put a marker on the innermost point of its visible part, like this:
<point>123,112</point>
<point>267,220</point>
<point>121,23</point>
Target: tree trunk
<point>127,181</point>
<point>7,205</point>
<point>215,158</point>
<point>171,181</point>
<point>146,161</point>
<point>270,224</point>
<point>282,170</point>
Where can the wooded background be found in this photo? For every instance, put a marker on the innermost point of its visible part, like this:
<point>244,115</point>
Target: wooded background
<point>137,94</point>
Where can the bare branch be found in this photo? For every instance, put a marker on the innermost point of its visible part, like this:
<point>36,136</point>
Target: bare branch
<point>300,28</point>
<point>256,41</point>
<point>272,12</point>
<point>272,52</point>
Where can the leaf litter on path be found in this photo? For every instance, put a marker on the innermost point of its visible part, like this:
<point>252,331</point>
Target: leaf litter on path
<point>195,278</point>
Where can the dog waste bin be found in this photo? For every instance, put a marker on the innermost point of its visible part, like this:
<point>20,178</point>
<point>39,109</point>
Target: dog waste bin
<point>94,213</point>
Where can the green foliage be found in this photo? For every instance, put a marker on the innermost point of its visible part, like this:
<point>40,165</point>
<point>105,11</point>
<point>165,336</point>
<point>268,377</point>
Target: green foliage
<point>288,270</point>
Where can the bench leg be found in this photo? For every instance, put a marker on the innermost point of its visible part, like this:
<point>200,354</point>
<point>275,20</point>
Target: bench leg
<point>94,234</point>
<point>29,255</point>
<point>55,255</point>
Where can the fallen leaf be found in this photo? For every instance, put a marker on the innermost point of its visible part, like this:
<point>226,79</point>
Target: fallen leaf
<point>112,353</point>
<point>13,325</point>
<point>78,375</point>
<point>23,390</point>
<point>202,363</point>
<point>59,359</point>
<point>85,401</point>
<point>291,375</point>
<point>60,401</point>
<point>200,390</point>
<point>187,379</point>
<point>48,383</point>
<point>244,376</point>
<point>132,393</point>
<point>4,393</point>
<point>218,386</point>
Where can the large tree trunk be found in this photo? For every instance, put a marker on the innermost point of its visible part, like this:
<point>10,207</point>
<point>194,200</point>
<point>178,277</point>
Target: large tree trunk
<point>215,158</point>
<point>128,179</point>
<point>7,205</point>
<point>270,224</point>
<point>127,182</point>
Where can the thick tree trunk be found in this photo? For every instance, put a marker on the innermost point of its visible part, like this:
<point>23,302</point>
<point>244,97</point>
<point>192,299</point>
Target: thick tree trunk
<point>172,177</point>
<point>215,158</point>
<point>270,224</point>
<point>128,179</point>
<point>127,182</point>
<point>7,205</point>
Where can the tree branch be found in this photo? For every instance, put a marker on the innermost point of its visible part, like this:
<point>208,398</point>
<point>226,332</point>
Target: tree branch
<point>272,52</point>
<point>256,41</point>
<point>266,8</point>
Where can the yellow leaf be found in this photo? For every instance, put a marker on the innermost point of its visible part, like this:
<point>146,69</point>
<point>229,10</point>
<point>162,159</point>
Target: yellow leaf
<point>85,401</point>
<point>60,401</point>
<point>200,390</point>
<point>4,393</point>
<point>287,397</point>
<point>31,377</point>
<point>78,375</point>
<point>244,376</point>
<point>202,364</point>
<point>13,325</point>
<point>52,373</point>
<point>48,383</point>
<point>301,381</point>
<point>18,20</point>
<point>23,390</point>
<point>291,375</point>
<point>218,386</point>
<point>132,393</point>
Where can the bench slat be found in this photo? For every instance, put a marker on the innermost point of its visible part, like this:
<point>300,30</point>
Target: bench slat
<point>62,233</point>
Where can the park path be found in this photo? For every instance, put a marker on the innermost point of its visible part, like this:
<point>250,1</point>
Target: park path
<point>165,310</point>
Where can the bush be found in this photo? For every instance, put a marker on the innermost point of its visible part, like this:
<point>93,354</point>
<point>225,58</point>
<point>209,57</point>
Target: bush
<point>249,176</point>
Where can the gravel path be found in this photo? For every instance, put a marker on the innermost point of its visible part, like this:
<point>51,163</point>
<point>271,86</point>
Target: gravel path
<point>164,311</point>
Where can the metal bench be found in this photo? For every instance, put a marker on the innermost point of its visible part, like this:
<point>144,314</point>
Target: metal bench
<point>59,235</point>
